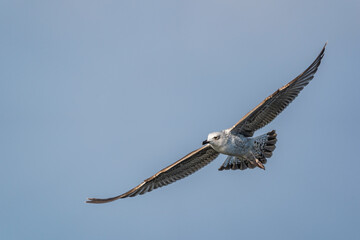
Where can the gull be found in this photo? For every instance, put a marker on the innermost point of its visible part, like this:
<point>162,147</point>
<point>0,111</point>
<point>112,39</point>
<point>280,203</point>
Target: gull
<point>242,149</point>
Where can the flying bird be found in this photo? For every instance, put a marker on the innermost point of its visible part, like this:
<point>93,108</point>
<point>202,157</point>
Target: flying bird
<point>242,149</point>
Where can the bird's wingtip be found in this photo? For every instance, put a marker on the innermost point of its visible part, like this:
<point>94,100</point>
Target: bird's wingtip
<point>92,200</point>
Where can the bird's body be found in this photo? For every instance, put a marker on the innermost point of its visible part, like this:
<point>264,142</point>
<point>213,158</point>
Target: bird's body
<point>243,150</point>
<point>233,144</point>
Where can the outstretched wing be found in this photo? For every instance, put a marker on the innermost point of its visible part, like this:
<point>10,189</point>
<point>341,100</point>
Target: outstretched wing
<point>176,171</point>
<point>273,105</point>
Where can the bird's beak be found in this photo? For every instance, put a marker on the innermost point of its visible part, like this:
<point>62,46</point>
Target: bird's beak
<point>205,142</point>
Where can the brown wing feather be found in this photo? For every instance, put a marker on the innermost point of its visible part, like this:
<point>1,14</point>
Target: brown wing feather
<point>273,105</point>
<point>176,171</point>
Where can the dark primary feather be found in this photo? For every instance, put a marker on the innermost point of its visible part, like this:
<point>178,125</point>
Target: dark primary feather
<point>273,105</point>
<point>176,171</point>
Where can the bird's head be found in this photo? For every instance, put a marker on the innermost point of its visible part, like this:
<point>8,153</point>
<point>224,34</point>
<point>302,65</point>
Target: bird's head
<point>216,139</point>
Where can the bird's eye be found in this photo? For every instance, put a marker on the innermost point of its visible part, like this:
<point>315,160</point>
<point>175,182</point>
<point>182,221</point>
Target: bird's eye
<point>217,137</point>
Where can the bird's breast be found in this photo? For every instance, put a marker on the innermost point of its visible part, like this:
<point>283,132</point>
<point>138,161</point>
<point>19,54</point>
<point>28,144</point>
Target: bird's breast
<point>234,146</point>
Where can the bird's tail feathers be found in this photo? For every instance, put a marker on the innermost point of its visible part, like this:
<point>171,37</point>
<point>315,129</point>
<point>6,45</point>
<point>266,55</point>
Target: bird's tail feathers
<point>264,145</point>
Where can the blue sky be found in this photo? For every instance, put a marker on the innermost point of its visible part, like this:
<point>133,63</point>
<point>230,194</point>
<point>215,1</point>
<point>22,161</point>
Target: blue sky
<point>96,96</point>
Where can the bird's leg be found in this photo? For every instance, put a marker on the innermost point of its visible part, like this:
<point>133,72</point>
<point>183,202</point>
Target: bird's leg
<point>260,165</point>
<point>257,161</point>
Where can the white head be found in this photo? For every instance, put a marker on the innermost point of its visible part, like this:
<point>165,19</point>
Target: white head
<point>216,139</point>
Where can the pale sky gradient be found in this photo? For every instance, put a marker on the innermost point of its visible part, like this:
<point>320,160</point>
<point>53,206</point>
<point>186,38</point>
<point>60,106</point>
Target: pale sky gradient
<point>96,96</point>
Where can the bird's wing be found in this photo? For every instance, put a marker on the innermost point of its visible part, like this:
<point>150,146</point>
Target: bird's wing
<point>274,104</point>
<point>176,171</point>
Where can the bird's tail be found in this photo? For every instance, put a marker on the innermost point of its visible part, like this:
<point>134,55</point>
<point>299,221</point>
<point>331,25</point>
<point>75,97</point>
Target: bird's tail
<point>264,145</point>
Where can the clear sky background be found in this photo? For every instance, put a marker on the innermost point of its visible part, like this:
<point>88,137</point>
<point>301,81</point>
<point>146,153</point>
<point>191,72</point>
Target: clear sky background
<point>96,96</point>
